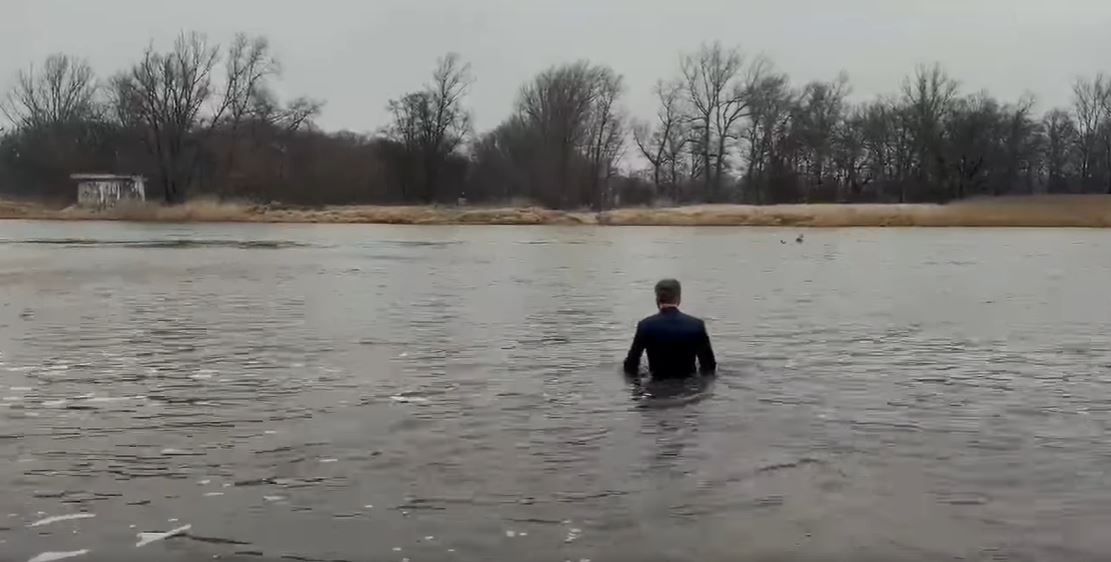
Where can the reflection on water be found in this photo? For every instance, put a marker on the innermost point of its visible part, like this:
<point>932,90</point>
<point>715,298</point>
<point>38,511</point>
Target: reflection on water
<point>446,393</point>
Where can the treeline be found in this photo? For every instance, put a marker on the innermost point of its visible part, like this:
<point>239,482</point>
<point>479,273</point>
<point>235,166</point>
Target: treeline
<point>202,119</point>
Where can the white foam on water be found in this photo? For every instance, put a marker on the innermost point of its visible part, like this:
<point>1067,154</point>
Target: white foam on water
<point>20,388</point>
<point>511,534</point>
<point>13,398</point>
<point>273,498</point>
<point>201,376</point>
<point>147,538</point>
<point>32,414</point>
<point>403,355</point>
<point>114,398</point>
<point>451,550</point>
<point>430,538</point>
<point>397,549</point>
<point>52,556</point>
<point>204,482</point>
<point>523,533</point>
<point>213,494</point>
<point>172,520</point>
<point>58,518</point>
<point>54,403</point>
<point>368,506</point>
<point>270,432</point>
<point>327,461</point>
<point>573,535</point>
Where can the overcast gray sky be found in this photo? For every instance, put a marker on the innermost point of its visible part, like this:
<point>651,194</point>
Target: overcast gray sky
<point>357,54</point>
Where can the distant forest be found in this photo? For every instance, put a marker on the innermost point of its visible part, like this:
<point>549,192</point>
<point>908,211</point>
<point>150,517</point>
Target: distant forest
<point>201,119</point>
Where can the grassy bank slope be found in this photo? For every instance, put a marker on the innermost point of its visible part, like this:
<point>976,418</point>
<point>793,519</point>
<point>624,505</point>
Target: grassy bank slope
<point>1043,211</point>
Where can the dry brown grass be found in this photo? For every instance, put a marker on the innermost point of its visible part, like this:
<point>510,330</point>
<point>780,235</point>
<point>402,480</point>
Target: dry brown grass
<point>1047,211</point>
<point>1056,211</point>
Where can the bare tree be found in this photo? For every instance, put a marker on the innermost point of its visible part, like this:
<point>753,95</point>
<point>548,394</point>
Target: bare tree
<point>167,93</point>
<point>433,123</point>
<point>64,91</point>
<point>928,99</point>
<point>558,106</point>
<point>606,135</point>
<point>718,87</point>
<point>1060,149</point>
<point>661,143</point>
<point>770,109</point>
<point>819,114</point>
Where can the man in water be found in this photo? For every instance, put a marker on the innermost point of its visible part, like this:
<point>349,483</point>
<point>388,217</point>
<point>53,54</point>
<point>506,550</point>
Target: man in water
<point>672,339</point>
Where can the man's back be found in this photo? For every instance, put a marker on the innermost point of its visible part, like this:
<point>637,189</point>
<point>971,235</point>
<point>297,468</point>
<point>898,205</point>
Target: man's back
<point>673,341</point>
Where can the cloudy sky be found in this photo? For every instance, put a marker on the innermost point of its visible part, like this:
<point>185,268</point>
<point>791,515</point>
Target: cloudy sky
<point>357,54</point>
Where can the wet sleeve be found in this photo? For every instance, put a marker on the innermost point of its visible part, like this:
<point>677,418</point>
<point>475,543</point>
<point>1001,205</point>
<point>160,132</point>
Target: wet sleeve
<point>706,361</point>
<point>632,361</point>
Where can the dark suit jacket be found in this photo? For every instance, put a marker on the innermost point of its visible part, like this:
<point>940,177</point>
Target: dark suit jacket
<point>673,340</point>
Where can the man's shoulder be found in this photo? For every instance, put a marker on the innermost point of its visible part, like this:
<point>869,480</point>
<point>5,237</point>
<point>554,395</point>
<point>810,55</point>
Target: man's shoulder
<point>661,317</point>
<point>691,318</point>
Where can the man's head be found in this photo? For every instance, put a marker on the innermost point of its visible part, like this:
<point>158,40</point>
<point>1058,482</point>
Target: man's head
<point>668,293</point>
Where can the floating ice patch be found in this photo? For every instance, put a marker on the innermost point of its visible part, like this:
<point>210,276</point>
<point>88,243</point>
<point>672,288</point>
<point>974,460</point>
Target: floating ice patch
<point>409,399</point>
<point>58,518</point>
<point>147,538</point>
<point>52,556</point>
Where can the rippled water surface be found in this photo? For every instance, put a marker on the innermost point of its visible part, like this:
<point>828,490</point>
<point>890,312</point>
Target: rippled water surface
<point>390,393</point>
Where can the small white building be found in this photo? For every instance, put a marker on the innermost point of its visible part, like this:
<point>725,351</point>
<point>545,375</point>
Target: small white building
<point>102,191</point>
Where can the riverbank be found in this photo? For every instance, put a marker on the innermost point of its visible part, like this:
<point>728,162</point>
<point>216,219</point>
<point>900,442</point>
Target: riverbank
<point>1092,211</point>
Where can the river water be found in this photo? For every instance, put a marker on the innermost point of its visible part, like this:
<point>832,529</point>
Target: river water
<point>453,393</point>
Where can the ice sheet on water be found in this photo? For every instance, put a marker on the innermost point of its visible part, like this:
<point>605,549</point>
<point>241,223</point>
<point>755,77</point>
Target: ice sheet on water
<point>57,518</point>
<point>52,556</point>
<point>147,538</point>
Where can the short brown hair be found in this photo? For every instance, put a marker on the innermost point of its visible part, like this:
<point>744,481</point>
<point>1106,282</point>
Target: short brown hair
<point>668,291</point>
